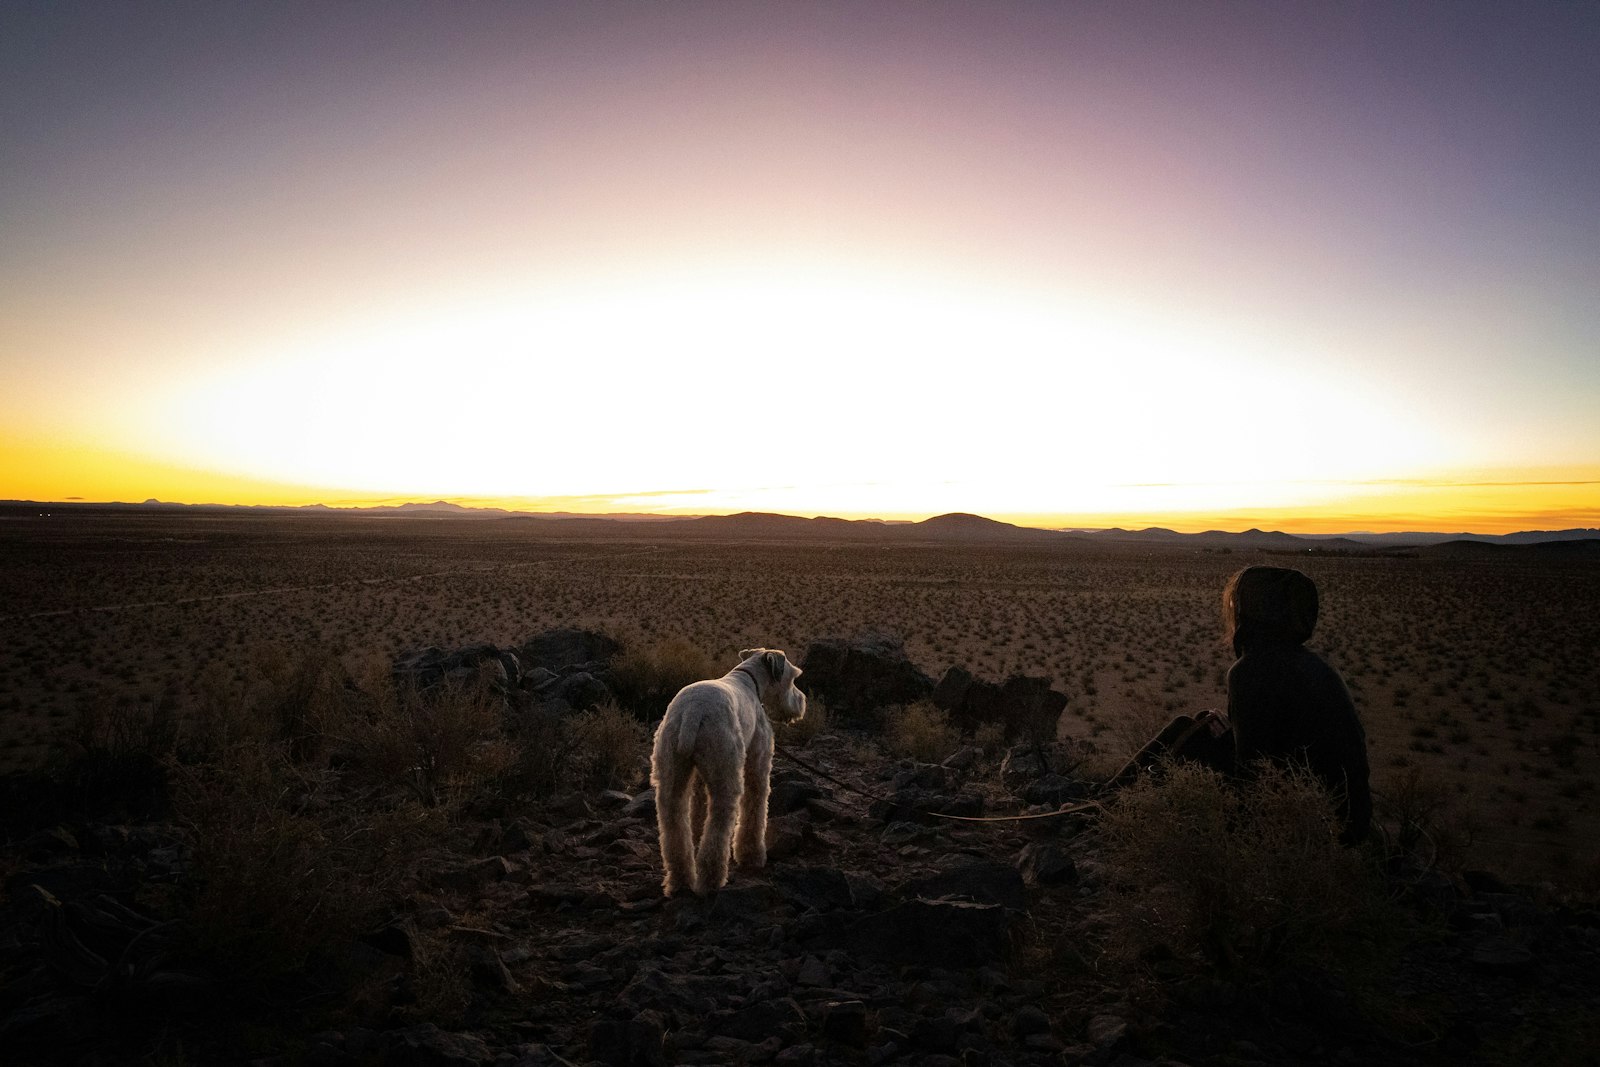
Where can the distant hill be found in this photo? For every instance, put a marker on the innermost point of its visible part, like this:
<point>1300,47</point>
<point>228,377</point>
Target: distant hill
<point>952,528</point>
<point>1461,548</point>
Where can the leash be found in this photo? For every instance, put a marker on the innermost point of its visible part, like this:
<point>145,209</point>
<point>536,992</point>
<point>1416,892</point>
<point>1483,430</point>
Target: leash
<point>1073,809</point>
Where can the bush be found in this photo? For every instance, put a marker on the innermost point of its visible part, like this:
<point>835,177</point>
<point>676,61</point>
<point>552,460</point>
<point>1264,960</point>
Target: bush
<point>922,732</point>
<point>280,866</point>
<point>116,756</point>
<point>1247,879</point>
<point>609,746</point>
<point>439,744</point>
<point>645,680</point>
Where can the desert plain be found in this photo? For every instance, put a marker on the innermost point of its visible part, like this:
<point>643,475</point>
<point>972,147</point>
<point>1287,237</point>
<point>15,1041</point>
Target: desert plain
<point>1476,674</point>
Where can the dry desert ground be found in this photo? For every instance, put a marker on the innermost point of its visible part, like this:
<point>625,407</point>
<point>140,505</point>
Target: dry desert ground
<point>1477,679</point>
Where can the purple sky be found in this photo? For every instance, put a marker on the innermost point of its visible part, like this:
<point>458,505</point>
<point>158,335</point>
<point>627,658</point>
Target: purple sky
<point>1393,205</point>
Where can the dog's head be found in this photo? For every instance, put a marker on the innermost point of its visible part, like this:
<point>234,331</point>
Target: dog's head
<point>779,697</point>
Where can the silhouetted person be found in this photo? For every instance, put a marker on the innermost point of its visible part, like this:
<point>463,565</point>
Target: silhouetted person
<point>1285,704</point>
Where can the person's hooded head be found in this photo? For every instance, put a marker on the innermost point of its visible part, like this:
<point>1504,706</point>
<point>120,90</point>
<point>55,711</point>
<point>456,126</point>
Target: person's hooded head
<point>1269,605</point>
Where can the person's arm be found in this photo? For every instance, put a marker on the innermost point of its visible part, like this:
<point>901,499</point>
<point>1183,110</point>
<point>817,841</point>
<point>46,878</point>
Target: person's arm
<point>1250,713</point>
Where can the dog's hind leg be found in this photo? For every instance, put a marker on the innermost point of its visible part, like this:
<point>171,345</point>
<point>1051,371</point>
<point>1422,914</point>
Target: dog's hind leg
<point>699,800</point>
<point>711,858</point>
<point>750,840</point>
<point>672,821</point>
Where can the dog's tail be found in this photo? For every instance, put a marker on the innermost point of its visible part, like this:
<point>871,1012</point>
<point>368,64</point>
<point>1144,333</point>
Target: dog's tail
<point>688,733</point>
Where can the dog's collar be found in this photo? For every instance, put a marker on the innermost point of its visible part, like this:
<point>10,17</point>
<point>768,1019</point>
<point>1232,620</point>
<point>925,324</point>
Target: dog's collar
<point>748,673</point>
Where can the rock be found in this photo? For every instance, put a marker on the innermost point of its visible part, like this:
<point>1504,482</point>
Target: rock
<point>1045,864</point>
<point>858,676</point>
<point>538,679</point>
<point>787,836</point>
<point>1501,954</point>
<point>475,876</point>
<point>748,904</point>
<point>429,1046</point>
<point>1106,1030</point>
<point>963,760</point>
<point>642,806</point>
<point>1054,789</point>
<point>45,844</point>
<point>845,1021</point>
<point>823,888</point>
<point>1023,704</point>
<point>935,932</point>
<point>761,1020</point>
<point>393,940</point>
<point>980,882</point>
<point>578,691</point>
<point>1030,1020</point>
<point>431,667</point>
<point>813,972</point>
<point>932,776</point>
<point>488,970</point>
<point>1025,764</point>
<point>791,791</point>
<point>555,649</point>
<point>924,805</point>
<point>951,691</point>
<point>636,1042</point>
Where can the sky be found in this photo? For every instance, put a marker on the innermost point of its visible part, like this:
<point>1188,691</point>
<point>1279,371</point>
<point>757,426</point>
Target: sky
<point>1314,267</point>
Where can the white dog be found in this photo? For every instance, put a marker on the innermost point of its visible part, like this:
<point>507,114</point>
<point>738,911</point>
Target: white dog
<point>712,766</point>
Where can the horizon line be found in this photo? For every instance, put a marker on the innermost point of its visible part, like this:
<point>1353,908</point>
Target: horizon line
<point>1057,522</point>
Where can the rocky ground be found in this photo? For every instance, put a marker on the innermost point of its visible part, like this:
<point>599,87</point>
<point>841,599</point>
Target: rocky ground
<point>875,935</point>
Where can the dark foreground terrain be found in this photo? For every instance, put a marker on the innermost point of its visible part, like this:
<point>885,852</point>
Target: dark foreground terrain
<point>535,933</point>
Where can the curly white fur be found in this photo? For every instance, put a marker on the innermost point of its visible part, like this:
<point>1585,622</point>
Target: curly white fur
<point>712,766</point>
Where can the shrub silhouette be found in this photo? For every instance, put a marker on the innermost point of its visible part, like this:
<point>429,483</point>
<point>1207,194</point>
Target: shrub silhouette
<point>646,679</point>
<point>921,732</point>
<point>1246,879</point>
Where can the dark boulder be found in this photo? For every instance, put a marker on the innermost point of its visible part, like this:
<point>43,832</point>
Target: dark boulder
<point>942,933</point>
<point>432,667</point>
<point>857,676</point>
<point>1023,705</point>
<point>555,649</point>
<point>979,882</point>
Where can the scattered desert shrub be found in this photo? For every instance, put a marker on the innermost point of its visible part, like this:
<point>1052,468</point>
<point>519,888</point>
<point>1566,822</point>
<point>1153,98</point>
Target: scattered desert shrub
<point>281,866</point>
<point>117,754</point>
<point>544,752</point>
<point>646,679</point>
<point>608,746</point>
<point>1419,818</point>
<point>439,744</point>
<point>1248,878</point>
<point>302,697</point>
<point>921,732</point>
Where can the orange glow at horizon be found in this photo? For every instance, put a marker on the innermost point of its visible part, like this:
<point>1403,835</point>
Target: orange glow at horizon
<point>1501,502</point>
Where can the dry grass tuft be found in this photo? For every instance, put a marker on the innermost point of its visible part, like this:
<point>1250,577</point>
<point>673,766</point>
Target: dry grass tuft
<point>280,868</point>
<point>646,679</point>
<point>921,732</point>
<point>1246,879</point>
<point>609,747</point>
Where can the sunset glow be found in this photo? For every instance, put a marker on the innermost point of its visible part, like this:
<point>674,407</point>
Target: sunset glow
<point>1075,266</point>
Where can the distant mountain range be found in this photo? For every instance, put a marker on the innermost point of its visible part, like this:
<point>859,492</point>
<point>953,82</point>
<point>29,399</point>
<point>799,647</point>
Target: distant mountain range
<point>958,527</point>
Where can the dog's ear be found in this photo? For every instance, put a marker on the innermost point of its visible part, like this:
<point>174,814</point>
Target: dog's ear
<point>747,653</point>
<point>776,662</point>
